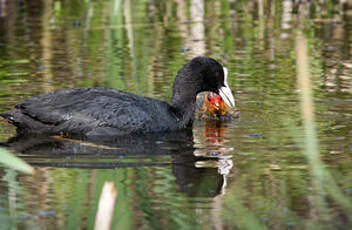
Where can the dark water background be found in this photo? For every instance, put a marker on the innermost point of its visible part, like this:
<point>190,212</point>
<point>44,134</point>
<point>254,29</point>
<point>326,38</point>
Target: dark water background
<point>267,170</point>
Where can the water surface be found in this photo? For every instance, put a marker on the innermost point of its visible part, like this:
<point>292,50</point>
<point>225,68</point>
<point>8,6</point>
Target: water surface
<point>255,172</point>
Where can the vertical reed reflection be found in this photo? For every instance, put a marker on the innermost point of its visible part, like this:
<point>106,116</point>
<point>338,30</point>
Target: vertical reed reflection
<point>323,183</point>
<point>46,43</point>
<point>197,28</point>
<point>311,149</point>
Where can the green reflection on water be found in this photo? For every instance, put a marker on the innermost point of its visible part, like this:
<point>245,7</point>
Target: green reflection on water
<point>138,47</point>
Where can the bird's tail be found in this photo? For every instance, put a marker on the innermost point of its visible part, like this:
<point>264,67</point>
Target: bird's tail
<point>7,116</point>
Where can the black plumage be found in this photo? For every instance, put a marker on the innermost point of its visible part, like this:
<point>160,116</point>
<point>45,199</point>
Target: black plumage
<point>105,111</point>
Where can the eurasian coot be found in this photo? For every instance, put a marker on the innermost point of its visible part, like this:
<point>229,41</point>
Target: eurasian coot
<point>104,111</point>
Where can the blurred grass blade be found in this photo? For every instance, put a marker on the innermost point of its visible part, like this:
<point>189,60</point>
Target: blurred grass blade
<point>324,183</point>
<point>8,159</point>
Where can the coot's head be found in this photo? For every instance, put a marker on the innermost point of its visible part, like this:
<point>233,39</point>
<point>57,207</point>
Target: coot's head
<point>204,74</point>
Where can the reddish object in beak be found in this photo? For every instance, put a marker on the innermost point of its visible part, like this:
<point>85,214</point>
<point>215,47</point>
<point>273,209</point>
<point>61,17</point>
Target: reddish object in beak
<point>214,105</point>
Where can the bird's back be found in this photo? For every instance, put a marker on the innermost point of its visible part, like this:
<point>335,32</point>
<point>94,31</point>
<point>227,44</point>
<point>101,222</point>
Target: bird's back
<point>92,111</point>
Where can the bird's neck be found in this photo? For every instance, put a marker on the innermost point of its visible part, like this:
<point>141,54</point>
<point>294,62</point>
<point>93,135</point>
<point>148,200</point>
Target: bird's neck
<point>184,94</point>
<point>184,109</point>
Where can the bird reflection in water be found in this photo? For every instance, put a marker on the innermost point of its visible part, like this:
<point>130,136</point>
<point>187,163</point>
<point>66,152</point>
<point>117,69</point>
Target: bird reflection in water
<point>210,143</point>
<point>196,175</point>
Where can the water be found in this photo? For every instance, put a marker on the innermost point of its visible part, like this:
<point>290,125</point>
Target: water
<point>252,173</point>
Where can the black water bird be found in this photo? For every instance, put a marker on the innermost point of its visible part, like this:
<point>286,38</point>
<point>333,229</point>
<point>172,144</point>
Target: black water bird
<point>104,111</point>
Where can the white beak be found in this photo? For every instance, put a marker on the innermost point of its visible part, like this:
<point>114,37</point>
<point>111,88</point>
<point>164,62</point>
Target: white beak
<point>225,92</point>
<point>226,95</point>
